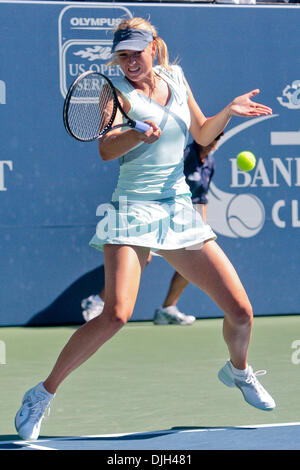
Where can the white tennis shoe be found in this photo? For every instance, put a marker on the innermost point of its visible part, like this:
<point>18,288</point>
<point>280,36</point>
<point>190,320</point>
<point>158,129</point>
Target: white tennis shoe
<point>91,307</point>
<point>172,316</point>
<point>29,418</point>
<point>252,390</point>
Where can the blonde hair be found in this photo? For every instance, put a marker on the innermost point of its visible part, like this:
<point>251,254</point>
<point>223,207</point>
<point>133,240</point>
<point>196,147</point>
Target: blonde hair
<point>162,54</point>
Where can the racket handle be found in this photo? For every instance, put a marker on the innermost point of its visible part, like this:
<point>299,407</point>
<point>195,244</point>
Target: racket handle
<point>141,126</point>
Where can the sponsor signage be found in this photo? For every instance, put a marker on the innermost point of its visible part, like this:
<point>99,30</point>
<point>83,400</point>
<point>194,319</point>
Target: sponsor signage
<point>51,185</point>
<point>85,40</point>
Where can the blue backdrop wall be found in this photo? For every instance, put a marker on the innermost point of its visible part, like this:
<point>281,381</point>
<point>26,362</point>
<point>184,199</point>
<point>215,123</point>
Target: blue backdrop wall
<point>51,185</point>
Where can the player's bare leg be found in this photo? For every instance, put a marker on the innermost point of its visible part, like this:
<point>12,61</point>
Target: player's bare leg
<point>123,267</point>
<point>210,269</point>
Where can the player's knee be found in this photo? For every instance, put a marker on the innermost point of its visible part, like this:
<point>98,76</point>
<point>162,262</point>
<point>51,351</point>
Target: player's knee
<point>118,315</point>
<point>242,314</point>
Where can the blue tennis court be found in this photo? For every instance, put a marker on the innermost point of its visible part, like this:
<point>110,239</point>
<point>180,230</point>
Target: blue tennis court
<point>129,398</point>
<point>284,436</point>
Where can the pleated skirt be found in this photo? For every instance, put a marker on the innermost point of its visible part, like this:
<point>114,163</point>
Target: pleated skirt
<point>165,224</point>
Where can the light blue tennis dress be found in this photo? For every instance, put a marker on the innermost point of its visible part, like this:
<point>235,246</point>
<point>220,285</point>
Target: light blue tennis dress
<point>151,205</point>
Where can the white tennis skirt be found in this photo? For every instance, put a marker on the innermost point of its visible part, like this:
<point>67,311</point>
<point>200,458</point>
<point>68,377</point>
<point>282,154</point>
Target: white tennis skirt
<point>166,224</point>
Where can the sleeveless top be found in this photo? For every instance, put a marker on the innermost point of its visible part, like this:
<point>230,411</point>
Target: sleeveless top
<point>155,171</point>
<point>151,205</point>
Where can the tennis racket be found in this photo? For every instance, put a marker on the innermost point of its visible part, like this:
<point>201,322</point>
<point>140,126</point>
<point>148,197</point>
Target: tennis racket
<point>91,106</point>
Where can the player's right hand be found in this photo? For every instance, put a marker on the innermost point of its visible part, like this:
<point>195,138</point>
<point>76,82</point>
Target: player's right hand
<point>151,135</point>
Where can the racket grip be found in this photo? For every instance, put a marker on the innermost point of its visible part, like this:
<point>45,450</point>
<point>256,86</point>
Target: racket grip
<point>141,126</point>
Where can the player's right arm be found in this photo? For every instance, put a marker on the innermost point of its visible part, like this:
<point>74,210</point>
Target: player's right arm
<point>118,142</point>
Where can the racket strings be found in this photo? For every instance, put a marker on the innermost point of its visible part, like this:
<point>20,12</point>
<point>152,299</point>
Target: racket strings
<point>91,107</point>
<point>106,107</point>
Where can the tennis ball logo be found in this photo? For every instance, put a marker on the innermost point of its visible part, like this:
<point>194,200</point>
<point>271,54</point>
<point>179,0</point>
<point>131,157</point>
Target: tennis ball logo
<point>245,215</point>
<point>246,161</point>
<point>234,215</point>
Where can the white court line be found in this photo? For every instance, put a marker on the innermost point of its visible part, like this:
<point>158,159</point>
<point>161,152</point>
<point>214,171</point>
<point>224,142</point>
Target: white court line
<point>276,425</point>
<point>39,444</point>
<point>37,447</point>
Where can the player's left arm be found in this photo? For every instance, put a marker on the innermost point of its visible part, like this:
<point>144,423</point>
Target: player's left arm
<point>204,130</point>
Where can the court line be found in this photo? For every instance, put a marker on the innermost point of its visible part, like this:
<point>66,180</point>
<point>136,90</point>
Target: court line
<point>276,425</point>
<point>35,446</point>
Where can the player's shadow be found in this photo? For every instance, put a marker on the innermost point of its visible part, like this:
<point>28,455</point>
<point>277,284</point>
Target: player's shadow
<point>73,442</point>
<point>66,308</point>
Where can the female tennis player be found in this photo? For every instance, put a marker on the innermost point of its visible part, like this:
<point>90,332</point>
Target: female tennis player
<point>151,209</point>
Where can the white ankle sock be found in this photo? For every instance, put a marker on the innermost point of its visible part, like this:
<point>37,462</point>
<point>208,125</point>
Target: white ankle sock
<point>50,395</point>
<point>240,372</point>
<point>170,309</point>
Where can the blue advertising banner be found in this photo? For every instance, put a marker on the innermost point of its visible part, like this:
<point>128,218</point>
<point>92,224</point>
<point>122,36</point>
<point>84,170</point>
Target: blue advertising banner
<point>51,185</point>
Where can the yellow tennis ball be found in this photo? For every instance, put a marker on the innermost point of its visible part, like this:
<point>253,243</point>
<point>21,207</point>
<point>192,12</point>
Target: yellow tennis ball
<point>246,161</point>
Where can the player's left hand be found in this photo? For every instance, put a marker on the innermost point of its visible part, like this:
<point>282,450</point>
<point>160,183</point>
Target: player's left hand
<point>243,106</point>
